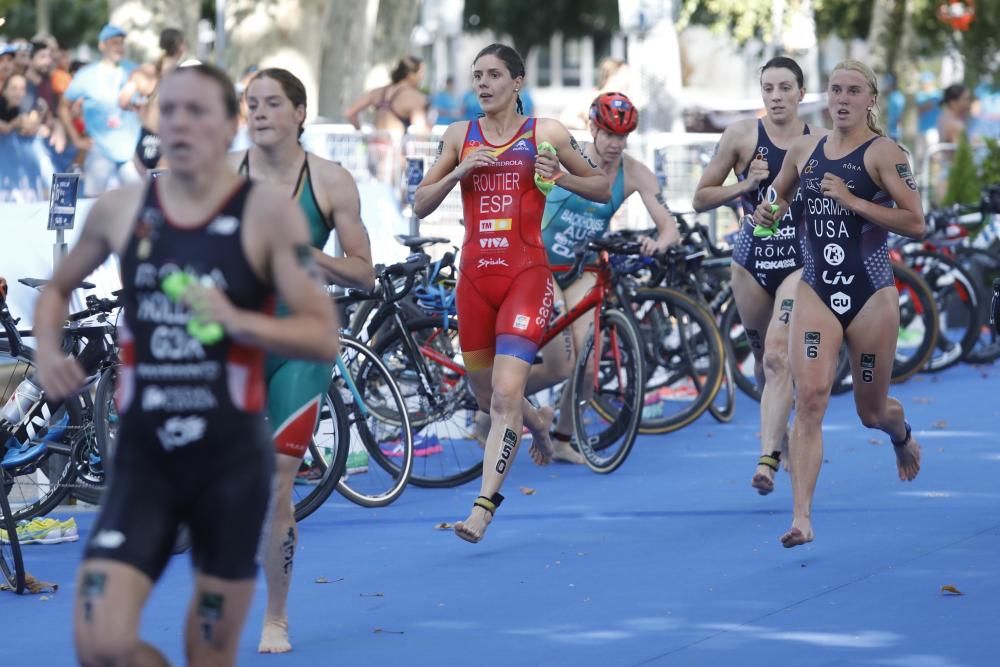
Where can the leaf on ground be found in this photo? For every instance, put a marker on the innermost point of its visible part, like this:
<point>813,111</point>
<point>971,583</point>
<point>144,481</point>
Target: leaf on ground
<point>372,595</point>
<point>444,526</point>
<point>951,590</point>
<point>383,631</point>
<point>940,424</point>
<point>324,580</point>
<point>923,400</point>
<point>527,490</point>
<point>874,441</point>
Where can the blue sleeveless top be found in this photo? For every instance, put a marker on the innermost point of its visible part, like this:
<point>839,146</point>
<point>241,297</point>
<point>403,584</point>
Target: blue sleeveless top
<point>569,220</point>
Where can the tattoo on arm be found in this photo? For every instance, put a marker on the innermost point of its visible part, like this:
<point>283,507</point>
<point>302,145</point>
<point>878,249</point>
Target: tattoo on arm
<point>579,149</point>
<point>663,202</point>
<point>904,173</point>
<point>439,151</point>
<point>718,147</point>
<point>305,258</point>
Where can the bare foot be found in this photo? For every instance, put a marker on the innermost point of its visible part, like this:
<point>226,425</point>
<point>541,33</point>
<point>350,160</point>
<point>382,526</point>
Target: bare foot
<point>473,528</point>
<point>800,533</point>
<point>564,452</point>
<point>763,480</point>
<point>274,637</point>
<point>541,445</point>
<point>908,459</point>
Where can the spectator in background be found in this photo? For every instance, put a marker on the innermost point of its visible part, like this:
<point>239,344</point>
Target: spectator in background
<point>139,95</point>
<point>61,75</point>
<point>22,56</point>
<point>113,131</point>
<point>242,140</point>
<point>445,104</point>
<point>12,119</point>
<point>40,94</point>
<point>400,108</point>
<point>7,52</point>
<point>928,100</point>
<point>471,110</point>
<point>613,75</point>
<point>895,102</point>
<point>956,106</point>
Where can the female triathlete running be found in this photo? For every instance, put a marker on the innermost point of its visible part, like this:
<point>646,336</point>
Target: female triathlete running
<point>849,181</point>
<point>505,289</point>
<point>765,270</point>
<point>570,221</point>
<point>193,444</point>
<point>327,195</point>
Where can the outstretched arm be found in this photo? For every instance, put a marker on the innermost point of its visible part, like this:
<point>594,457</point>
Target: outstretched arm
<point>644,182</point>
<point>710,192</point>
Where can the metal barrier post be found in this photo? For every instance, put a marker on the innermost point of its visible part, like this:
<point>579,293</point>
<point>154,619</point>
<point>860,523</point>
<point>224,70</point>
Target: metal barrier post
<point>414,175</point>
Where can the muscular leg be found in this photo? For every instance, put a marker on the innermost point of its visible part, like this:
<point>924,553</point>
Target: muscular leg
<point>556,366</point>
<point>109,601</point>
<point>813,349</point>
<point>215,620</point>
<point>872,342</point>
<point>757,312</point>
<point>279,554</point>
<point>295,392</point>
<point>504,384</point>
<point>557,356</point>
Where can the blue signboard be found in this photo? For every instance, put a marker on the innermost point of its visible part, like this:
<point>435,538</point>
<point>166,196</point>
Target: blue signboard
<point>62,201</point>
<point>414,175</point>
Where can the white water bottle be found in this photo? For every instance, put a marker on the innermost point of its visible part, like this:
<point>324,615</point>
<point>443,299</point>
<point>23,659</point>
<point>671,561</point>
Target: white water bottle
<point>20,404</point>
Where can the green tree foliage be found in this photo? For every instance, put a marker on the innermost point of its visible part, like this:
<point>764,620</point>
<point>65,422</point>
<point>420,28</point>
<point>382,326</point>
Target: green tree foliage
<point>530,23</point>
<point>989,168</point>
<point>963,182</point>
<point>74,22</point>
<point>742,19</point>
<point>845,18</point>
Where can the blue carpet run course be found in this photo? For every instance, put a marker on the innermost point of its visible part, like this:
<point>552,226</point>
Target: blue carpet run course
<point>671,560</point>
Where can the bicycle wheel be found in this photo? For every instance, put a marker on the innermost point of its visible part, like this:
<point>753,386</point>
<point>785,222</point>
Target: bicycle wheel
<point>984,267</point>
<point>918,323</point>
<point>378,427</point>
<point>683,355</point>
<point>106,415</point>
<point>959,307</point>
<point>738,350</point>
<point>68,436</point>
<point>11,563</point>
<point>426,362</point>
<point>327,455</point>
<point>608,374</point>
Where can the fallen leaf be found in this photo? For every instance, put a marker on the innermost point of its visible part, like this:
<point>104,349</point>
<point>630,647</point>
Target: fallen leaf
<point>874,441</point>
<point>951,589</point>
<point>444,526</point>
<point>324,580</point>
<point>923,400</point>
<point>527,490</point>
<point>44,598</point>
<point>372,595</point>
<point>387,632</point>
<point>940,424</point>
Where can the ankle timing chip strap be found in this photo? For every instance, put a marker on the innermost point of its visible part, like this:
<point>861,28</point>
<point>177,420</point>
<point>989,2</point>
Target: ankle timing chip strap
<point>771,461</point>
<point>906,438</point>
<point>489,504</point>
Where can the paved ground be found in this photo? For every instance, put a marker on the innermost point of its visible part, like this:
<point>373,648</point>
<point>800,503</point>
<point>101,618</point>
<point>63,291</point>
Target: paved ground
<point>672,560</point>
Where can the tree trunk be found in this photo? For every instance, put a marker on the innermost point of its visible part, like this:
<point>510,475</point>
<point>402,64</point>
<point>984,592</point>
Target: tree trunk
<point>883,35</point>
<point>42,23</point>
<point>350,28</point>
<point>279,33</point>
<point>395,22</point>
<point>907,75</point>
<point>144,19</point>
